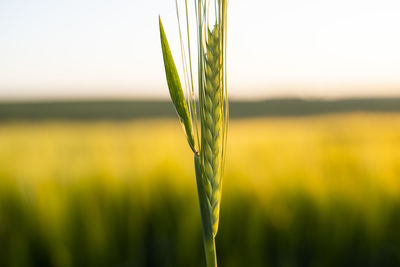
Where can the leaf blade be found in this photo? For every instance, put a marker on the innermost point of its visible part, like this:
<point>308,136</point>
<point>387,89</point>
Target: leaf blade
<point>175,87</point>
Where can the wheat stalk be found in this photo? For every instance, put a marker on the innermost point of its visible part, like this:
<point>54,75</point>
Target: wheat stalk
<point>212,107</point>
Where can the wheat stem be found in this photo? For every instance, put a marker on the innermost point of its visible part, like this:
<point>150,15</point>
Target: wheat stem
<point>205,211</point>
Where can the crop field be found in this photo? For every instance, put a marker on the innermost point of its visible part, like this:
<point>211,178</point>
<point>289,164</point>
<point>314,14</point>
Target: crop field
<point>298,191</point>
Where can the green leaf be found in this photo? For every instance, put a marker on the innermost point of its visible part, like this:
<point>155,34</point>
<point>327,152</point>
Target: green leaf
<point>175,87</point>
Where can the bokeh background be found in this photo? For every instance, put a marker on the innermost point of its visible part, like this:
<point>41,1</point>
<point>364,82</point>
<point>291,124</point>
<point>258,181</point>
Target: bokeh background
<point>95,169</point>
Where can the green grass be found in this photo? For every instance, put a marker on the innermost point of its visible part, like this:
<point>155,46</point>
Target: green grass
<point>316,191</point>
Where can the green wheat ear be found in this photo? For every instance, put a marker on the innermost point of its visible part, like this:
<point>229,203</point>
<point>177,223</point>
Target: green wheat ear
<point>212,126</point>
<point>175,87</point>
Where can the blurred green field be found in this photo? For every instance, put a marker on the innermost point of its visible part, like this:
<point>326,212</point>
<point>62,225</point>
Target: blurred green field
<point>306,191</point>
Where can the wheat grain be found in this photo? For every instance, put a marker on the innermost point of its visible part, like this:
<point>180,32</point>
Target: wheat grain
<point>211,122</point>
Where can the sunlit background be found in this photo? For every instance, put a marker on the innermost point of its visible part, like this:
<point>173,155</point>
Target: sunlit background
<point>100,49</point>
<point>94,165</point>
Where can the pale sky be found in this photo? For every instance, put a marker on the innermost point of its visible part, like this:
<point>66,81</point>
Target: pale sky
<point>100,49</point>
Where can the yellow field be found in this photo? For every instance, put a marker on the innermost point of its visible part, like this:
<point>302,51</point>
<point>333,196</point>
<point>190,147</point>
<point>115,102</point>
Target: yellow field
<point>290,185</point>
